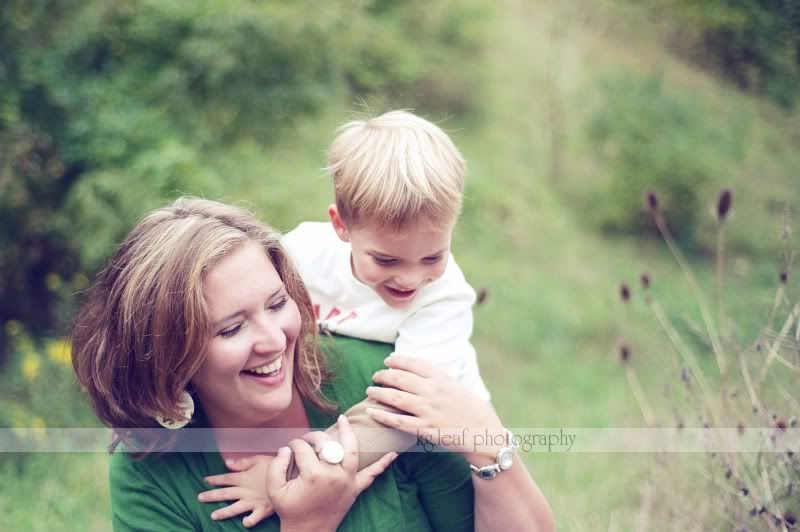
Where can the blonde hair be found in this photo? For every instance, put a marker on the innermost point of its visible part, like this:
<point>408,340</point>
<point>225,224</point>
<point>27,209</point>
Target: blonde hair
<point>396,169</point>
<point>141,333</point>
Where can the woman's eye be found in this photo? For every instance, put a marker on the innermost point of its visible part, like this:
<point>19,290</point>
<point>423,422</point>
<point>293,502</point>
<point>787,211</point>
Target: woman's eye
<point>280,304</point>
<point>227,333</point>
<point>384,262</point>
<point>432,260</point>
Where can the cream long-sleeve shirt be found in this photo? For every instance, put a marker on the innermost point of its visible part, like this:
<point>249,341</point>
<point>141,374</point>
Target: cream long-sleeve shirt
<point>436,326</point>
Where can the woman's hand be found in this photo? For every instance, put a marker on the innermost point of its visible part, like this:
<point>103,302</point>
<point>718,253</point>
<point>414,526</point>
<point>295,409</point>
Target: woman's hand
<point>247,485</point>
<point>323,493</point>
<point>438,409</point>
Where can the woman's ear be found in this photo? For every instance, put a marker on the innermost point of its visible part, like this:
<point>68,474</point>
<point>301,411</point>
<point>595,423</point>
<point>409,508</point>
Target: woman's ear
<point>338,223</point>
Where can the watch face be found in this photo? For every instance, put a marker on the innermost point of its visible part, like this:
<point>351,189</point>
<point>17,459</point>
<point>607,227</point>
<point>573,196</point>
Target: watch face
<point>505,458</point>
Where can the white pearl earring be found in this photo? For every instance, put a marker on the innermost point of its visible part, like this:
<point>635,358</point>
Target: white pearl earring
<point>186,406</point>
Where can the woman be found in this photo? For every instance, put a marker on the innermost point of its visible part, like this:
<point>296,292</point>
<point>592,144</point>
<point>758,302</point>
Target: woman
<point>201,298</point>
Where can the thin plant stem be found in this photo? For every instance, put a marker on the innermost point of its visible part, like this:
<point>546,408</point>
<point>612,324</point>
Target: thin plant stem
<point>638,393</point>
<point>773,352</point>
<point>720,277</point>
<point>704,312</point>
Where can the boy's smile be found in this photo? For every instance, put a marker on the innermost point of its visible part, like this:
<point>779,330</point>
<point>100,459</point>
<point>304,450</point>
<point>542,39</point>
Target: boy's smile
<point>397,264</point>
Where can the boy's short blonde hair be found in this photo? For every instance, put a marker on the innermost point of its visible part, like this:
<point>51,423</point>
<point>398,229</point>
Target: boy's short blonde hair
<point>396,169</point>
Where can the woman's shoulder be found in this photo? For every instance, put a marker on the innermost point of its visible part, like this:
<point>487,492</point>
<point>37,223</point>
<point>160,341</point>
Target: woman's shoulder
<point>353,362</point>
<point>157,491</point>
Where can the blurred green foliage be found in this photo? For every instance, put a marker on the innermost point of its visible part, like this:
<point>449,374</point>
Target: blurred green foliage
<point>754,43</point>
<point>659,139</point>
<point>109,108</point>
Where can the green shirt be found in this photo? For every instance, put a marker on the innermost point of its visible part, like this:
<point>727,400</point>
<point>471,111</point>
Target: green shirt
<point>419,491</point>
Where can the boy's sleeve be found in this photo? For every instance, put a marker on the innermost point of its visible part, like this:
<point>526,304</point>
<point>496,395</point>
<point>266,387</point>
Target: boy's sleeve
<point>440,331</point>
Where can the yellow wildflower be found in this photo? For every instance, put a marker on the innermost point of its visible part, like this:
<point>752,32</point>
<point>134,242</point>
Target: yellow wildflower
<point>30,366</point>
<point>38,425</point>
<point>60,352</point>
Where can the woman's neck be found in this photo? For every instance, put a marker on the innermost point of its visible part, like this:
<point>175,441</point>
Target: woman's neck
<point>263,438</point>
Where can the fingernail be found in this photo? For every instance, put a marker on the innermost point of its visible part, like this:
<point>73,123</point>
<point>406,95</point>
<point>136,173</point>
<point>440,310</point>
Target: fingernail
<point>201,497</point>
<point>340,418</point>
<point>229,462</point>
<point>284,450</point>
<point>370,389</point>
<point>214,516</point>
<point>371,411</point>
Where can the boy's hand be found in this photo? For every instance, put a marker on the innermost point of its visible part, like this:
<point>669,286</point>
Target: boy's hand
<point>247,485</point>
<point>436,407</point>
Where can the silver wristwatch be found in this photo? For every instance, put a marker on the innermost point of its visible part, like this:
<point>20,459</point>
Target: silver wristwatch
<point>503,461</point>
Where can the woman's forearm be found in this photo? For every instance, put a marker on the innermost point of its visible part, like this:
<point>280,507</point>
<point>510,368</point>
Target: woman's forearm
<point>511,501</point>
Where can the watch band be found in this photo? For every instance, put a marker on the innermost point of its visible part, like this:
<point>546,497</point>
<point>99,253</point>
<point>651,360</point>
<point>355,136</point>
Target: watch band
<point>503,460</point>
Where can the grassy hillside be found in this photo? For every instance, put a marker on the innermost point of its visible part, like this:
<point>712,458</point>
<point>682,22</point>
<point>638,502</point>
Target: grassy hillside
<point>547,333</point>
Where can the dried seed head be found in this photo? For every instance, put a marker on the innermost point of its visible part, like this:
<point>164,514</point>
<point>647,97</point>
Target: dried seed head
<point>740,427</point>
<point>651,200</point>
<point>728,474</point>
<point>745,491</point>
<point>793,421</point>
<point>790,518</point>
<point>624,352</point>
<point>784,277</point>
<point>781,424</point>
<point>724,202</point>
<point>483,293</point>
<point>624,293</point>
<point>645,279</point>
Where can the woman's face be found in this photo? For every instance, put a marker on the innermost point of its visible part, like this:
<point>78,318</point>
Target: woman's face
<point>246,377</point>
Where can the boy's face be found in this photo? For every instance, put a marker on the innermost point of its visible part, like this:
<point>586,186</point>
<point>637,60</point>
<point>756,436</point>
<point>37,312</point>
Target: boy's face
<point>396,264</point>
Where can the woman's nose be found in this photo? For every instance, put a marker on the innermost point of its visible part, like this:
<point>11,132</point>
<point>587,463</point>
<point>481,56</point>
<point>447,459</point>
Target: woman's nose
<point>269,337</point>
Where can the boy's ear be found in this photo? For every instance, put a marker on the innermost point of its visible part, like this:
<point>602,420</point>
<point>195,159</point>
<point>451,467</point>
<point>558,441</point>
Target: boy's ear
<point>338,223</point>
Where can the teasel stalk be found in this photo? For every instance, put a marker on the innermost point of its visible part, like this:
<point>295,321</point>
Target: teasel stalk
<point>661,225</point>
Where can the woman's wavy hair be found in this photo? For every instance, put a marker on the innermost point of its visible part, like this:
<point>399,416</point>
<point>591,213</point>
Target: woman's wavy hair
<point>143,328</point>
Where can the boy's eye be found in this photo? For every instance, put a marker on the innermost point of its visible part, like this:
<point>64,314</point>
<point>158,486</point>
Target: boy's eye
<point>382,261</point>
<point>432,260</point>
<point>227,333</point>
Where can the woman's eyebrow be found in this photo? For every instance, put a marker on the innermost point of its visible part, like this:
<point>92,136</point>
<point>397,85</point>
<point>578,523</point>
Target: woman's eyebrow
<point>229,317</point>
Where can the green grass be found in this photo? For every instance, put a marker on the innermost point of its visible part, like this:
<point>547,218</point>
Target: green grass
<point>547,334</point>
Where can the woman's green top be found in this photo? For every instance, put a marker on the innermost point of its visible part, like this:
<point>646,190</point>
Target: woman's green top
<point>420,491</point>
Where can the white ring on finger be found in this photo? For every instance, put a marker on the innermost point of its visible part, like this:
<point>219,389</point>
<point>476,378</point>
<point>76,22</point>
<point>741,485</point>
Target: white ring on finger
<point>332,452</point>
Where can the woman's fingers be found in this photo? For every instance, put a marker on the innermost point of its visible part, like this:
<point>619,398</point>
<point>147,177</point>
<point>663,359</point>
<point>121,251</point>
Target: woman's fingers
<point>399,399</point>
<point>410,424</point>
<point>400,379</point>
<point>414,365</point>
<point>304,456</point>
<point>258,515</point>
<point>317,439</point>
<point>221,494</point>
<point>367,476</point>
<point>276,475</point>
<point>239,507</point>
<point>349,443</point>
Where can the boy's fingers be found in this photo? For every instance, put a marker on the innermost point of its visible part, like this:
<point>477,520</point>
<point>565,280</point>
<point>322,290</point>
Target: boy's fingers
<point>367,476</point>
<point>241,464</point>
<point>259,514</point>
<point>221,494</point>
<point>225,479</point>
<point>239,507</point>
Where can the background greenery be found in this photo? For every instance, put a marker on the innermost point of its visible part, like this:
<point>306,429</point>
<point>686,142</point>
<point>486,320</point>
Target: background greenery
<point>566,112</point>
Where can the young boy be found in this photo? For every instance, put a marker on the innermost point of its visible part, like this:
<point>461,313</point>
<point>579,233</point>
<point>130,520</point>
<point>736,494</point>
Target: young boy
<point>382,269</point>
